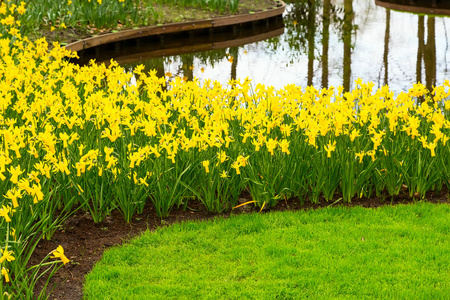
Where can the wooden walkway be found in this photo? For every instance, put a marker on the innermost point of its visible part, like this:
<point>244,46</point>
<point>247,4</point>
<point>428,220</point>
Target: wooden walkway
<point>441,8</point>
<point>177,49</point>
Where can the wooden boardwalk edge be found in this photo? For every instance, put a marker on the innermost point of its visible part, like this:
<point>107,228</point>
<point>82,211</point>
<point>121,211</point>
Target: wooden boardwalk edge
<point>193,48</point>
<point>175,27</point>
<point>414,9</point>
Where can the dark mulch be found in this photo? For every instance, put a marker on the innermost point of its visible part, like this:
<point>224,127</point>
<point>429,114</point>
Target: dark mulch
<point>84,241</point>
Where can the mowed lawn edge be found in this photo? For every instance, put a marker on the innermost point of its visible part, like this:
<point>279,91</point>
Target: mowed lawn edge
<point>350,253</point>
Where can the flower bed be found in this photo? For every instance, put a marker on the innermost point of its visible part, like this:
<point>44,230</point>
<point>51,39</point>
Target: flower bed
<point>99,138</point>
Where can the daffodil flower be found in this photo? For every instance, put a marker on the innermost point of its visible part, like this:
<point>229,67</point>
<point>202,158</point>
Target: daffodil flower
<point>284,144</point>
<point>13,194</point>
<point>432,146</point>
<point>329,148</point>
<point>59,253</point>
<point>15,173</point>
<point>7,255</point>
<point>205,164</point>
<point>5,274</point>
<point>4,212</point>
<point>235,165</point>
<point>271,144</point>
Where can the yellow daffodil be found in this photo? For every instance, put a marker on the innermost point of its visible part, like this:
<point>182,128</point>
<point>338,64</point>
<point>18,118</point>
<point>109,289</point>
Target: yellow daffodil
<point>235,165</point>
<point>36,193</point>
<point>13,194</point>
<point>5,211</point>
<point>432,147</point>
<point>64,137</point>
<point>371,153</point>
<point>284,145</point>
<point>205,164</point>
<point>242,160</point>
<point>354,134</point>
<point>15,173</point>
<point>59,253</point>
<point>330,148</point>
<point>13,233</point>
<point>222,156</point>
<point>271,144</point>
<point>5,274</point>
<point>112,134</point>
<point>6,255</point>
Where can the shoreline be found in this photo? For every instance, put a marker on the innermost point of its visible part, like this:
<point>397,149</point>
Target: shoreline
<point>156,30</point>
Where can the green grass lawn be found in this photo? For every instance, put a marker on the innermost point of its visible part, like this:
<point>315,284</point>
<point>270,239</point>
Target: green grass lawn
<point>400,252</point>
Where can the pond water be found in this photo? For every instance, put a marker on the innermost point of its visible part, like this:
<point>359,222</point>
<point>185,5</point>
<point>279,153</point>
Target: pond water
<point>321,43</point>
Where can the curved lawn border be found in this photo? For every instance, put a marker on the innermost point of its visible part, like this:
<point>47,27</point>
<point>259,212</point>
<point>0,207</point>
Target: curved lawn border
<point>176,27</point>
<point>394,252</point>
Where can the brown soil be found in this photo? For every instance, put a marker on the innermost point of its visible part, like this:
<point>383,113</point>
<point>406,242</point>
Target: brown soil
<point>85,241</point>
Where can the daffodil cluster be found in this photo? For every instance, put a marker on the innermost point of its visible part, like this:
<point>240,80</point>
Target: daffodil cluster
<point>99,138</point>
<point>77,127</point>
<point>11,13</point>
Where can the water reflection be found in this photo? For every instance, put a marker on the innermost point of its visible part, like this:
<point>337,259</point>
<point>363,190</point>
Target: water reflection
<point>325,42</point>
<point>311,39</point>
<point>426,54</point>
<point>347,39</point>
<point>426,50</point>
<point>176,54</point>
<point>386,46</point>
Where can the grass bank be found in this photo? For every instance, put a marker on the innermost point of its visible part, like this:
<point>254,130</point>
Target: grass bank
<point>395,252</point>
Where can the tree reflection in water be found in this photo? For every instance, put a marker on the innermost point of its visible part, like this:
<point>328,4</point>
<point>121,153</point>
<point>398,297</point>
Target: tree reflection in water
<point>326,42</point>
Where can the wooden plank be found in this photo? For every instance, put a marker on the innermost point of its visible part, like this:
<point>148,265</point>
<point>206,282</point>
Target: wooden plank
<point>233,20</point>
<point>249,40</point>
<point>179,50</point>
<point>137,33</point>
<point>414,9</point>
<point>174,27</point>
